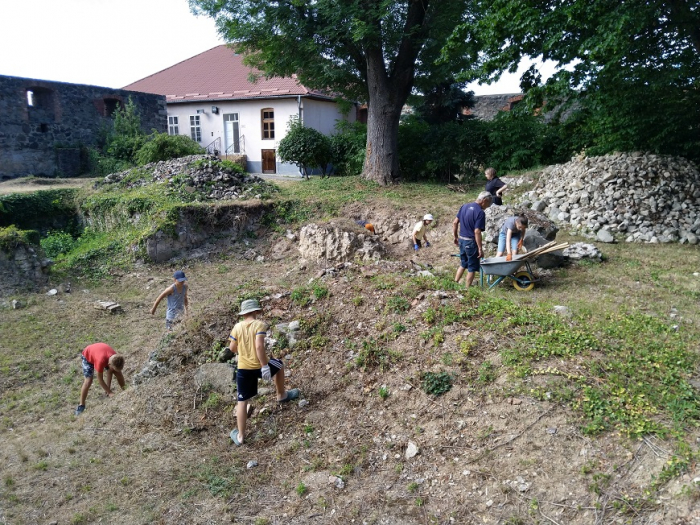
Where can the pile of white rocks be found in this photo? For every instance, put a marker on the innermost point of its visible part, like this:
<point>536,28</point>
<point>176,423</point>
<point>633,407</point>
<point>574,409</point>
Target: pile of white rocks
<point>203,175</point>
<point>632,196</point>
<point>338,241</point>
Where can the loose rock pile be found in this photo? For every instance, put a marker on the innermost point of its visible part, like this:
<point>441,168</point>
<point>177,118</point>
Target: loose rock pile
<point>203,175</point>
<point>643,197</point>
<point>338,242</point>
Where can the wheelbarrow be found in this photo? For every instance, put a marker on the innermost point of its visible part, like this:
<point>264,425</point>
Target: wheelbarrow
<point>496,269</point>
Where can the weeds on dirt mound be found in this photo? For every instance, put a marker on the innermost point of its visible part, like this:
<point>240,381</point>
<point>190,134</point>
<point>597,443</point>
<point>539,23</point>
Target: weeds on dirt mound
<point>436,383</point>
<point>374,355</point>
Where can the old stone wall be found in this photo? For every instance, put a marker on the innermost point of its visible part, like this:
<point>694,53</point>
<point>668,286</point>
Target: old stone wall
<point>21,268</point>
<point>44,125</point>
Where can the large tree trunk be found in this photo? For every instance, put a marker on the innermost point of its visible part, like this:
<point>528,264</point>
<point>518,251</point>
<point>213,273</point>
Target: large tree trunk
<point>388,91</point>
<point>386,99</point>
<point>382,157</point>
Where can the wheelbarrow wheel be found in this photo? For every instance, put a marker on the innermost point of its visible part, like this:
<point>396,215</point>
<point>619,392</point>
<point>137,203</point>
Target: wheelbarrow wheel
<point>523,282</point>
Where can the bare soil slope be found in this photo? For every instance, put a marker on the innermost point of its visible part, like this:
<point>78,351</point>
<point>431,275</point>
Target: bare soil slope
<point>493,449</point>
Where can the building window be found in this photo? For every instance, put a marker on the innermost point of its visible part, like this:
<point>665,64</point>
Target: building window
<point>173,128</point>
<point>111,106</point>
<point>268,123</point>
<point>30,98</point>
<point>195,128</point>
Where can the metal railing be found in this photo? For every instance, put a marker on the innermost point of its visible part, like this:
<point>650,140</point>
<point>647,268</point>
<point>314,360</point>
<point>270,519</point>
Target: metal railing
<point>241,144</point>
<point>215,147</point>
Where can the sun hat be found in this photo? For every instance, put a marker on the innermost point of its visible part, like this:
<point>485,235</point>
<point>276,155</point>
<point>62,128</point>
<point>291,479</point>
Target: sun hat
<point>428,217</point>
<point>249,305</point>
<point>180,276</point>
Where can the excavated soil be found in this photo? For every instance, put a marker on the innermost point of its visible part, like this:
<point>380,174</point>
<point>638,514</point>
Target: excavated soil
<point>160,453</point>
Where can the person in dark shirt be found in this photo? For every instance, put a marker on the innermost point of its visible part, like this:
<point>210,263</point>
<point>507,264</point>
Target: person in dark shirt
<point>495,186</point>
<point>467,227</point>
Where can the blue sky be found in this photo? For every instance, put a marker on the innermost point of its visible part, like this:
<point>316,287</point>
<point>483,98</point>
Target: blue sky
<point>113,43</point>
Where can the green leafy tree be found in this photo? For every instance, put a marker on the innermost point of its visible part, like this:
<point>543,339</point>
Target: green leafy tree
<point>443,102</point>
<point>367,50</point>
<point>126,136</point>
<point>632,67</point>
<point>306,147</point>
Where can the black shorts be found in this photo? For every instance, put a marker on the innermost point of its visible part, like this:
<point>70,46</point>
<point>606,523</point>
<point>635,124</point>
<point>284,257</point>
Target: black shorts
<point>247,380</point>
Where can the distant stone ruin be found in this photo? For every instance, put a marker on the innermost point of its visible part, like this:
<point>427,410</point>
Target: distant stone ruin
<point>45,125</point>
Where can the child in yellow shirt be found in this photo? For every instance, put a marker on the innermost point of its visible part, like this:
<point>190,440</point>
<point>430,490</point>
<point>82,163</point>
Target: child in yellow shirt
<point>248,340</point>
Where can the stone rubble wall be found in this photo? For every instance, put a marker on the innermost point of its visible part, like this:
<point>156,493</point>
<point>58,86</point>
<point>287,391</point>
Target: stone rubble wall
<point>194,229</point>
<point>45,138</point>
<point>22,268</point>
<point>632,196</point>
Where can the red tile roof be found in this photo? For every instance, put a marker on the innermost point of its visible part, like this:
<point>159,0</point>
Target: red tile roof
<point>217,74</point>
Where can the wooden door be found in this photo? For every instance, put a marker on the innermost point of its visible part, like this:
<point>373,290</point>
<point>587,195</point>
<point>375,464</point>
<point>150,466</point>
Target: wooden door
<point>269,161</point>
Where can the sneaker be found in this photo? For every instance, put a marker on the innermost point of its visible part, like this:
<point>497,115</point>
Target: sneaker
<point>79,410</point>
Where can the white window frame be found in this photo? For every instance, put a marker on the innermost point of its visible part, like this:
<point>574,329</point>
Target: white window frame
<point>236,139</point>
<point>195,128</point>
<point>173,126</point>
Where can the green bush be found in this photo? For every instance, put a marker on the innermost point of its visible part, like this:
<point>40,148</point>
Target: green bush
<point>348,148</point>
<point>516,140</point>
<point>57,243</point>
<point>232,166</point>
<point>161,146</point>
<point>40,210</point>
<point>442,151</point>
<point>11,237</point>
<point>306,147</point>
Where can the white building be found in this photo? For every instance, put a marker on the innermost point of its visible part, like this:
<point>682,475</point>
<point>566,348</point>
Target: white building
<point>211,98</point>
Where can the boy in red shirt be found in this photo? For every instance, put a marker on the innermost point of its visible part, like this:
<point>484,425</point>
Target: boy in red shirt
<point>102,358</point>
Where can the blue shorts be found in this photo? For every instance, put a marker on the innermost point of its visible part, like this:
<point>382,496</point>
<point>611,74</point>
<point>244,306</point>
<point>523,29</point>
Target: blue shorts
<point>502,242</point>
<point>469,255</point>
<point>247,380</point>
<point>88,369</point>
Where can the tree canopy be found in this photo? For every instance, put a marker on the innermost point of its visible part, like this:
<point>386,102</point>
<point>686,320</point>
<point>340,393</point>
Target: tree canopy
<point>633,67</point>
<point>363,50</point>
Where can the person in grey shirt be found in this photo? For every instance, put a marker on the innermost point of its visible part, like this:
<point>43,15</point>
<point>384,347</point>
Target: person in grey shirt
<point>177,299</point>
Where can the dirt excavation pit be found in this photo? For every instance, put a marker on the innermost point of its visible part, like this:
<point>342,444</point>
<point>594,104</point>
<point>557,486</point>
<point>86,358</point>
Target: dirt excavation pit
<point>367,445</point>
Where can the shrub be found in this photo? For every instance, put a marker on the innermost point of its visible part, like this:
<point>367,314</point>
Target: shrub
<point>11,237</point>
<point>161,146</point>
<point>305,147</point>
<point>517,141</point>
<point>442,151</point>
<point>57,243</point>
<point>348,148</point>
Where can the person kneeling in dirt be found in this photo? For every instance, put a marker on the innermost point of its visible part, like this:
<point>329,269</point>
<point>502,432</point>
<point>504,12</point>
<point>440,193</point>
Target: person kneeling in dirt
<point>248,340</point>
<point>177,299</point>
<point>102,358</point>
<point>368,226</point>
<point>419,232</point>
<point>511,237</point>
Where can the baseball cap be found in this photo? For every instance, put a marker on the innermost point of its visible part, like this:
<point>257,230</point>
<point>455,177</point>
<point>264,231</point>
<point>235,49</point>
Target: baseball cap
<point>180,276</point>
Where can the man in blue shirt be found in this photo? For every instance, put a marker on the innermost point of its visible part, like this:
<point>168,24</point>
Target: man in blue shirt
<point>467,227</point>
